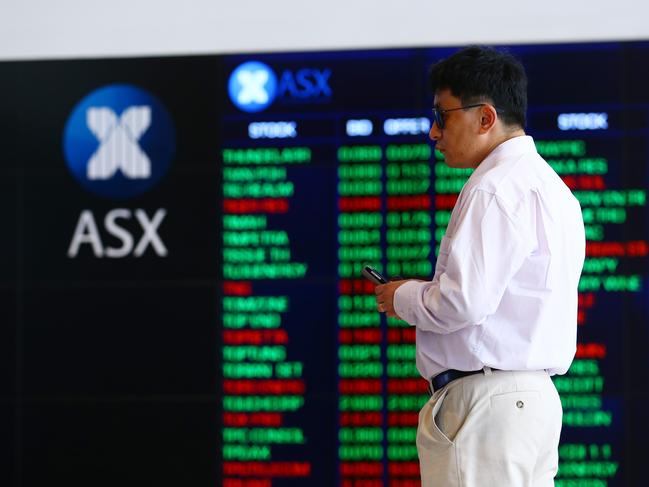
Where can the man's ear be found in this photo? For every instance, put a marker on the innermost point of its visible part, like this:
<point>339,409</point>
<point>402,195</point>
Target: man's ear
<point>488,118</point>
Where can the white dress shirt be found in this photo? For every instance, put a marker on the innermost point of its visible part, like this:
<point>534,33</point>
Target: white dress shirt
<point>504,294</point>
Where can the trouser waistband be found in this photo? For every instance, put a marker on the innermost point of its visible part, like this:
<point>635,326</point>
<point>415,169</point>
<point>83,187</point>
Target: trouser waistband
<point>442,379</point>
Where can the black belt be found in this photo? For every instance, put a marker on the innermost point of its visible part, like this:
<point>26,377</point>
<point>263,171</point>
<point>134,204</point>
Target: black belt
<point>440,380</point>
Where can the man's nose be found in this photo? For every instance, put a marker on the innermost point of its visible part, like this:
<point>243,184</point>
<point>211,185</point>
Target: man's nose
<point>435,132</point>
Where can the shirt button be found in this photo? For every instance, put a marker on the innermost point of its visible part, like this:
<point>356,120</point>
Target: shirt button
<point>519,404</point>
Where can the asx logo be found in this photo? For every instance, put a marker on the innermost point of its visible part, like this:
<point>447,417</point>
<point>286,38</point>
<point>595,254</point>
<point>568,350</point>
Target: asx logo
<point>119,141</point>
<point>253,86</point>
<point>87,232</point>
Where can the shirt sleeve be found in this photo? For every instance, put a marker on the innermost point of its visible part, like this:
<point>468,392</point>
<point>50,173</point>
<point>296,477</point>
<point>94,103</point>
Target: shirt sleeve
<point>487,248</point>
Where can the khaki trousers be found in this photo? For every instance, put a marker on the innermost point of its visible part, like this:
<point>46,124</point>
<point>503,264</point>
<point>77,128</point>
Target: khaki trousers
<point>497,429</point>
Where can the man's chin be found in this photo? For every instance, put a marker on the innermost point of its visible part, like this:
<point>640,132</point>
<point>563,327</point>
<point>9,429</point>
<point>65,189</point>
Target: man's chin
<point>457,164</point>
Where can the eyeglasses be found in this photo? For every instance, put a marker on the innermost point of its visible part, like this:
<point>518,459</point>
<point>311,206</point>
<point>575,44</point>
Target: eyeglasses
<point>438,115</point>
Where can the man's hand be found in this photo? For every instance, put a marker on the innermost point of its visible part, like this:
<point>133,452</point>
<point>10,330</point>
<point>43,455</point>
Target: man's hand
<point>385,297</point>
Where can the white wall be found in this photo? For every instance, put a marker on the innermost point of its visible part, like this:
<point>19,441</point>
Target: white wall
<point>36,29</point>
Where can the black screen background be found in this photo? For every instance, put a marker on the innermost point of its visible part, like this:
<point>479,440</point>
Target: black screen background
<point>110,369</point>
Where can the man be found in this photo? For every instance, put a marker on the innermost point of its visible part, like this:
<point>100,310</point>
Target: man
<point>500,315</point>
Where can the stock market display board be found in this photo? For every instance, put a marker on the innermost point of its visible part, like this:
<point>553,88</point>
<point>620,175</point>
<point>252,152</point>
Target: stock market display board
<point>181,280</point>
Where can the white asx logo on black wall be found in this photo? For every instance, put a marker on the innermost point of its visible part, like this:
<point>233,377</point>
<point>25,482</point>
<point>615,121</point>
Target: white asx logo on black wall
<point>118,143</point>
<point>87,232</point>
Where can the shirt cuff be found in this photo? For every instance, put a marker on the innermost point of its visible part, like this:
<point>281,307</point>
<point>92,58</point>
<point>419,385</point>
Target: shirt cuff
<point>406,298</point>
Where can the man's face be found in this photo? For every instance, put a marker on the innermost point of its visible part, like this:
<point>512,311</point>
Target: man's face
<point>459,141</point>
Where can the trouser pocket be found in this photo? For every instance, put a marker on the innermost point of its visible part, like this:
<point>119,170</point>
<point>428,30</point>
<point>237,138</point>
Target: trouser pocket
<point>437,456</point>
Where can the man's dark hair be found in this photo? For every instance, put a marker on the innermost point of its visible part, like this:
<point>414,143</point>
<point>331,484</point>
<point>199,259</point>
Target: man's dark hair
<point>479,73</point>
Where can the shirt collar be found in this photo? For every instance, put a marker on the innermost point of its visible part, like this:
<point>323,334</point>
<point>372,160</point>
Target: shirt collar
<point>513,147</point>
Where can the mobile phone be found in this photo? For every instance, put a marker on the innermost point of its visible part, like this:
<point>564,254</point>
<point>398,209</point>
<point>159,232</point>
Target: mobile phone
<point>373,275</point>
